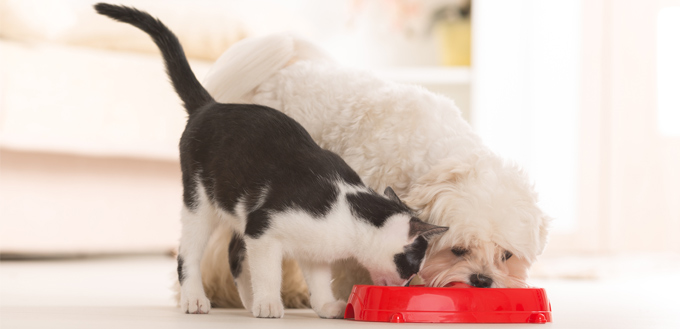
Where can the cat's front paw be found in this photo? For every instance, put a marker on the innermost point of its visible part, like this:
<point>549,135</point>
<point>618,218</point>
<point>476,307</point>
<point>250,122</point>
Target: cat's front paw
<point>332,310</point>
<point>195,303</point>
<point>272,308</point>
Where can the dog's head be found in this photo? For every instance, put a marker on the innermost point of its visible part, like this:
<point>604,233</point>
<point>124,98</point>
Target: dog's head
<point>496,228</point>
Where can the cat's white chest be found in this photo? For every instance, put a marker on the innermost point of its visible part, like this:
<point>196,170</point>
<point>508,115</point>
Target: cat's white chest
<point>319,239</point>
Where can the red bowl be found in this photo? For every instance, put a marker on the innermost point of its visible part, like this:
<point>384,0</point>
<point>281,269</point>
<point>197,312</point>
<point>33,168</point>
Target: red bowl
<point>457,303</point>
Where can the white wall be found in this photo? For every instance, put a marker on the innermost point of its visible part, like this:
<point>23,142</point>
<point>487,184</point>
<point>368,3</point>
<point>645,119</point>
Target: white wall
<point>644,205</point>
<point>526,94</point>
<point>68,204</point>
<point>569,89</point>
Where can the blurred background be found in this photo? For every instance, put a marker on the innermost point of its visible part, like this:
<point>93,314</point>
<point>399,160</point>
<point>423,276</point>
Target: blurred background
<point>584,94</point>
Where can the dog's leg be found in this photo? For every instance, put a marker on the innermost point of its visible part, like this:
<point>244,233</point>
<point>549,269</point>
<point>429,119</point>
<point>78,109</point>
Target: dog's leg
<point>347,273</point>
<point>197,225</point>
<point>293,288</point>
<point>264,257</point>
<point>318,277</point>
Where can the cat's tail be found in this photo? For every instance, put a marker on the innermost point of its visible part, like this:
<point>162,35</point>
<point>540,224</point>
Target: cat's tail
<point>252,61</point>
<point>183,79</point>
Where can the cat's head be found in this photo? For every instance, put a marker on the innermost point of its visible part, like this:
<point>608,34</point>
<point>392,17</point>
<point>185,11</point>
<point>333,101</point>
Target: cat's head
<point>395,241</point>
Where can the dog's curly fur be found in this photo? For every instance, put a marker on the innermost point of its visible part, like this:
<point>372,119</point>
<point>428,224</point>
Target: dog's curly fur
<point>398,135</point>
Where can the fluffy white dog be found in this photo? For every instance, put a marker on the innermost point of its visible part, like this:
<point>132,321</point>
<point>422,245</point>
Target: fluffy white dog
<point>395,135</point>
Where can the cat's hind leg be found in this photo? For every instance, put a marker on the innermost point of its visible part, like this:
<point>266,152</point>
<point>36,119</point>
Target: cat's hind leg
<point>197,226</point>
<point>318,277</point>
<point>263,256</point>
<point>240,270</point>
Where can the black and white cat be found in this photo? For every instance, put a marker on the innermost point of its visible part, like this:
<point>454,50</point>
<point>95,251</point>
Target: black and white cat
<point>258,171</point>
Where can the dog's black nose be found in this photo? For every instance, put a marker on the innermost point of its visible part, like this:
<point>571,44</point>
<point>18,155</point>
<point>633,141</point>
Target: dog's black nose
<point>480,280</point>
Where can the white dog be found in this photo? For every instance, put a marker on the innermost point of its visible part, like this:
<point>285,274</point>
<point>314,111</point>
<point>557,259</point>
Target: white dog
<point>392,134</point>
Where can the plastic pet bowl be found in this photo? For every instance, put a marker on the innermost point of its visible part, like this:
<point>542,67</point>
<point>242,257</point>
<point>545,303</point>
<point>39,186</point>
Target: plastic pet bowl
<point>457,303</point>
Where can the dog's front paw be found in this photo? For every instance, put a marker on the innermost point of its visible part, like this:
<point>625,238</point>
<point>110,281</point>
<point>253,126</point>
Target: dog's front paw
<point>195,303</point>
<point>332,310</point>
<point>268,308</point>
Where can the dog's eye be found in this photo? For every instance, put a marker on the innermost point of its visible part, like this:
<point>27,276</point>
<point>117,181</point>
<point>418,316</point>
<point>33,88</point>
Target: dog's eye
<point>506,255</point>
<point>459,251</point>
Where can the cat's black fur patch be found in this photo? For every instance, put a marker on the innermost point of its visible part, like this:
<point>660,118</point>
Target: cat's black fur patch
<point>256,223</point>
<point>180,268</point>
<point>237,252</point>
<point>240,150</point>
<point>408,262</point>
<point>189,193</point>
<point>374,208</point>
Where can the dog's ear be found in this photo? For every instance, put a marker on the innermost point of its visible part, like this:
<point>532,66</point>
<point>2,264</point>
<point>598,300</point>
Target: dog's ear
<point>389,193</point>
<point>544,225</point>
<point>426,230</point>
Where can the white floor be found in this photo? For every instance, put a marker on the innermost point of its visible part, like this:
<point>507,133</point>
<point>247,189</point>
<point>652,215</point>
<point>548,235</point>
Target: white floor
<point>134,292</point>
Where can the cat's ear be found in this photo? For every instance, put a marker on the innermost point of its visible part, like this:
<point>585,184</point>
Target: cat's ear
<point>389,193</point>
<point>426,230</point>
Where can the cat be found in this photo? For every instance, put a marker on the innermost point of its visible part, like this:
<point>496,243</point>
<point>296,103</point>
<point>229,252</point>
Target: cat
<point>258,171</point>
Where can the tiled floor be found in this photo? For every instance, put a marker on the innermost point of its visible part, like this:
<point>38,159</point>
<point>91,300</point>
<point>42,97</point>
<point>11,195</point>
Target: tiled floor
<point>134,292</point>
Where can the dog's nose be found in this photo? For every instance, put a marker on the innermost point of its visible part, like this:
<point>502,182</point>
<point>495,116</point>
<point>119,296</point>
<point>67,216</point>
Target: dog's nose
<point>480,280</point>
